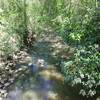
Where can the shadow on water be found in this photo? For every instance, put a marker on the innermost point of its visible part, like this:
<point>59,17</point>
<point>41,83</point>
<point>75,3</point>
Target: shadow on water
<point>33,86</point>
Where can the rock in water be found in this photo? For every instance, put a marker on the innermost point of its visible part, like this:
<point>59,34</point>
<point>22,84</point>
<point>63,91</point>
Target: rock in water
<point>33,68</point>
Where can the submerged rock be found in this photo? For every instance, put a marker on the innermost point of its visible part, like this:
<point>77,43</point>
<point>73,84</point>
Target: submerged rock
<point>33,68</point>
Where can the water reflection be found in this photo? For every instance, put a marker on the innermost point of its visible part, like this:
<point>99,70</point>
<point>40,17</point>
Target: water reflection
<point>33,68</point>
<point>32,86</point>
<point>14,95</point>
<point>45,84</point>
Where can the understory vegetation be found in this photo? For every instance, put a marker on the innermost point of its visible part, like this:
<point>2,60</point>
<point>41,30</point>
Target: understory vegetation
<point>77,22</point>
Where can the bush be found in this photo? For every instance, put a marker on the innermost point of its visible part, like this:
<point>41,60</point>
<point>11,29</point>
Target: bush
<point>84,70</point>
<point>93,29</point>
<point>9,43</point>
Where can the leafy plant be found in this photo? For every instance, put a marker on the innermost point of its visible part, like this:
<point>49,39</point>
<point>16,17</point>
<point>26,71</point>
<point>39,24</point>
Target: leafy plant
<point>84,70</point>
<point>9,43</point>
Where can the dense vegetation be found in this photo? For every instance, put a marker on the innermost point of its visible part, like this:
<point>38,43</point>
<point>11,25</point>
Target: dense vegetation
<point>76,21</point>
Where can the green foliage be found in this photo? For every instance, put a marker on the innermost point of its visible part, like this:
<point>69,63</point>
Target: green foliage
<point>81,25</point>
<point>67,18</point>
<point>84,70</point>
<point>76,21</point>
<point>9,43</point>
<point>93,29</point>
<point>13,17</point>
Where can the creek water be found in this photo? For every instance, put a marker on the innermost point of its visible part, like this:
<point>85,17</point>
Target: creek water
<point>39,82</point>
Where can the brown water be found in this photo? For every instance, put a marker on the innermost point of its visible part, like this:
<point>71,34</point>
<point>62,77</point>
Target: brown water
<point>44,84</point>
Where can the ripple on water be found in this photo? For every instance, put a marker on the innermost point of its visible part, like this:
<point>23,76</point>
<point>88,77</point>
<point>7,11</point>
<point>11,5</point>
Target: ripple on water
<point>37,86</point>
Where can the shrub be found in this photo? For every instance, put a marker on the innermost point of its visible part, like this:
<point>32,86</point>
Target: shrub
<point>9,43</point>
<point>84,70</point>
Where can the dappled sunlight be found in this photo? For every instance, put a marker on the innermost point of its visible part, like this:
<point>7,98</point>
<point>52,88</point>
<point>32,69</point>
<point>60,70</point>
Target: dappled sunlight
<point>40,84</point>
<point>49,49</point>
